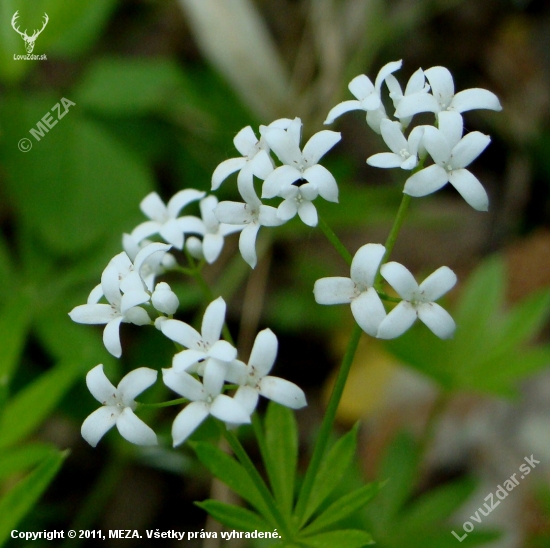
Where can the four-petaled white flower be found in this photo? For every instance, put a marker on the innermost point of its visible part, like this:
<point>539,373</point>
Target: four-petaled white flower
<point>298,199</point>
<point>415,85</point>
<point>206,399</point>
<point>367,97</point>
<point>122,307</point>
<point>451,153</point>
<point>200,346</point>
<point>254,379</point>
<point>366,306</point>
<point>404,151</point>
<point>417,301</point>
<point>118,406</point>
<point>165,220</point>
<point>253,214</point>
<point>254,152</point>
<point>443,97</point>
<point>300,165</point>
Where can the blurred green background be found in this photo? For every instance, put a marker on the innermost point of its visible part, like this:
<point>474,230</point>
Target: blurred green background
<point>160,88</point>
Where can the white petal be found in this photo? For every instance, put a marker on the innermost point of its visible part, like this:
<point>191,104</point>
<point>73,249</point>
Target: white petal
<point>223,351</point>
<point>415,103</point>
<point>144,230</point>
<point>375,117</point>
<point>212,246</point>
<point>308,213</point>
<point>130,246</point>
<point>385,71</point>
<point>131,282</point>
<point>426,181</point>
<point>437,145</point>
<point>182,198</point>
<point>282,391</point>
<point>264,352</point>
<point>385,160</point>
<point>368,311</point>
<point>309,191</point>
<point>438,320</point>
<point>397,321</point>
<point>441,82</point>
<point>134,429</point>
<point>183,360</point>
<point>133,298</point>
<point>172,233</point>
<point>400,278</point>
<point>451,125</point>
<point>294,129</point>
<point>110,283</point>
<point>95,294</point>
<point>191,224</point>
<point>245,141</point>
<point>214,376</point>
<point>213,320</point>
<point>247,397</point>
<point>361,87</point>
<point>470,189</point>
<point>237,372</point>
<point>207,206</point>
<point>182,333</point>
<point>341,108</point>
<point>184,384</point>
<point>319,145</point>
<point>228,410</point>
<point>280,178</point>
<point>335,290</point>
<point>234,213</point>
<point>245,184</point>
<point>153,207</point>
<point>100,386</point>
<point>92,313</point>
<point>136,382</point>
<point>438,283</point>
<point>468,149</point>
<point>188,420</point>
<point>287,209</point>
<point>268,216</point>
<point>98,424</point>
<point>365,263</point>
<point>416,82</point>
<point>225,169</point>
<point>247,243</point>
<point>262,165</point>
<point>475,98</point>
<point>393,136</point>
<point>323,179</point>
<point>137,316</point>
<point>111,337</point>
<point>283,145</point>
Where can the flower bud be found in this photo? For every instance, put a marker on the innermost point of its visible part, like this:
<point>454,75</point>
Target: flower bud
<point>164,299</point>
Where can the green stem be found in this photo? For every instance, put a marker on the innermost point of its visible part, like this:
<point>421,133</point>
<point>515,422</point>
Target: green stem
<point>179,401</point>
<point>244,459</point>
<point>335,241</point>
<point>392,237</point>
<point>328,421</point>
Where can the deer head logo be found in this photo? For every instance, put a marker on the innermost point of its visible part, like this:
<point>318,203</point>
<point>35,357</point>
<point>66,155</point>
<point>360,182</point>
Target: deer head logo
<point>29,40</point>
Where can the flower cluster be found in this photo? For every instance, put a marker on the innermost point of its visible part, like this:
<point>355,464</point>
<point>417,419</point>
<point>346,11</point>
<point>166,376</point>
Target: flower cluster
<point>207,369</point>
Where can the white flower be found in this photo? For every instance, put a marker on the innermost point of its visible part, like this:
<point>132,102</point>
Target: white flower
<point>204,345</point>
<point>367,95</point>
<point>300,165</point>
<point>214,231</point>
<point>417,301</point>
<point>118,406</point>
<point>366,306</point>
<point>416,84</point>
<point>254,152</point>
<point>297,199</point>
<point>254,379</point>
<point>253,214</point>
<point>206,399</point>
<point>121,307</point>
<point>443,97</point>
<point>164,299</point>
<point>404,151</point>
<point>165,220</point>
<point>451,153</point>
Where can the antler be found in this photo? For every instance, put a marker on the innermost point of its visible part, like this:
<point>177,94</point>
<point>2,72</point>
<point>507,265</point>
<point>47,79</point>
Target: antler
<point>37,32</point>
<point>16,29</point>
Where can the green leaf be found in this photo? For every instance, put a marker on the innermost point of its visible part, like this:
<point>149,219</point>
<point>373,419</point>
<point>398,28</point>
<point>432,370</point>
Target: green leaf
<point>343,507</point>
<point>30,406</point>
<point>234,517</point>
<point>21,458</point>
<point>281,441</point>
<point>15,504</point>
<point>15,319</point>
<point>331,471</point>
<point>345,538</point>
<point>229,471</point>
